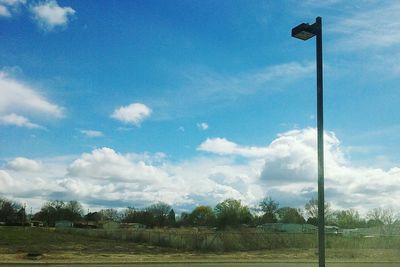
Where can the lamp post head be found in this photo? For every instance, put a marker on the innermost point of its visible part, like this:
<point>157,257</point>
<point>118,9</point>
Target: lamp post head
<point>304,31</point>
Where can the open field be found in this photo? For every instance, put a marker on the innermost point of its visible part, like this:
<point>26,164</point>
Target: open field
<point>216,264</point>
<point>61,249</point>
<point>244,239</point>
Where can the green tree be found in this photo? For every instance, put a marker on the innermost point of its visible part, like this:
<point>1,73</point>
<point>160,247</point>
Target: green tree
<point>159,209</point>
<point>231,212</point>
<point>50,212</point>
<point>171,218</point>
<point>348,219</point>
<point>57,210</point>
<point>269,208</point>
<point>290,215</point>
<point>11,213</point>
<point>93,216</point>
<point>183,219</point>
<point>202,216</point>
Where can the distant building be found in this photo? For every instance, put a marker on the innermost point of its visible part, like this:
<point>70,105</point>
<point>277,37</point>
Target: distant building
<point>353,232</point>
<point>383,230</point>
<point>85,224</point>
<point>64,224</point>
<point>332,230</point>
<point>132,226</point>
<point>110,225</point>
<point>37,224</point>
<point>288,228</point>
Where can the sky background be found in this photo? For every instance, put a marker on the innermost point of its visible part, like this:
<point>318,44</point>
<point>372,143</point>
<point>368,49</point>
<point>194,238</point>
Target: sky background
<point>127,103</point>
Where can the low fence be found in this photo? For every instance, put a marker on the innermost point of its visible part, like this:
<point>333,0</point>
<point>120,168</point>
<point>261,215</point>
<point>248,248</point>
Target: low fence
<point>236,240</point>
<point>208,241</point>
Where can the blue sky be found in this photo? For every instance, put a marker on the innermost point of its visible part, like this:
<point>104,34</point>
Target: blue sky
<point>190,102</point>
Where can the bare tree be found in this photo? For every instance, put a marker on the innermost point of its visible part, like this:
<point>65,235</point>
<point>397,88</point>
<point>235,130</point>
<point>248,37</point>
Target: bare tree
<point>160,212</point>
<point>74,207</point>
<point>386,216</point>
<point>311,210</point>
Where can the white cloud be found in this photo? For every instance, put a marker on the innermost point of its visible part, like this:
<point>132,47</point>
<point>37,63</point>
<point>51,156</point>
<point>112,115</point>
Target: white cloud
<point>316,3</point>
<point>32,181</point>
<point>32,189</point>
<point>5,179</point>
<point>4,12</point>
<point>202,126</point>
<point>267,78</point>
<point>290,165</point>
<point>219,146</point>
<point>105,163</point>
<point>17,120</point>
<point>18,97</point>
<point>49,15</point>
<point>134,113</point>
<point>24,165</point>
<point>223,146</point>
<point>12,2</point>
<point>292,69</point>
<point>7,7</point>
<point>285,169</point>
<point>105,175</point>
<point>92,133</point>
<point>7,183</point>
<point>203,90</point>
<point>368,26</point>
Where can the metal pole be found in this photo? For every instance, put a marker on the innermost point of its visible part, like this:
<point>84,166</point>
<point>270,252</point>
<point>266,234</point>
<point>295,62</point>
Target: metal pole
<point>320,136</point>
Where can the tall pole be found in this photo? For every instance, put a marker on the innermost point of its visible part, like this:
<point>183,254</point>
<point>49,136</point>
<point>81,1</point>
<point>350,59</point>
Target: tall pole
<point>320,136</point>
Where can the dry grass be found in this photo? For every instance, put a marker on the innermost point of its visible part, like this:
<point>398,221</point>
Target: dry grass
<point>16,242</point>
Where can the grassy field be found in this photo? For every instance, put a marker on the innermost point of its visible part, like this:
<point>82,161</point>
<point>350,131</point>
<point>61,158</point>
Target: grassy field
<point>217,264</point>
<point>61,248</point>
<point>245,239</point>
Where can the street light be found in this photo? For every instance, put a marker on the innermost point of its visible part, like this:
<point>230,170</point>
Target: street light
<point>304,32</point>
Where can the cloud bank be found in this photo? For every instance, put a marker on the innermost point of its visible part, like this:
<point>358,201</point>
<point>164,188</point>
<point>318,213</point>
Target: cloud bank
<point>285,169</point>
<point>23,164</point>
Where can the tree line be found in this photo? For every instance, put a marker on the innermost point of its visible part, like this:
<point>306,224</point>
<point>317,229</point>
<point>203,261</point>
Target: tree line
<point>228,213</point>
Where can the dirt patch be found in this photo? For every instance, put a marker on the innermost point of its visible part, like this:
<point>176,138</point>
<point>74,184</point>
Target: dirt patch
<point>33,256</point>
